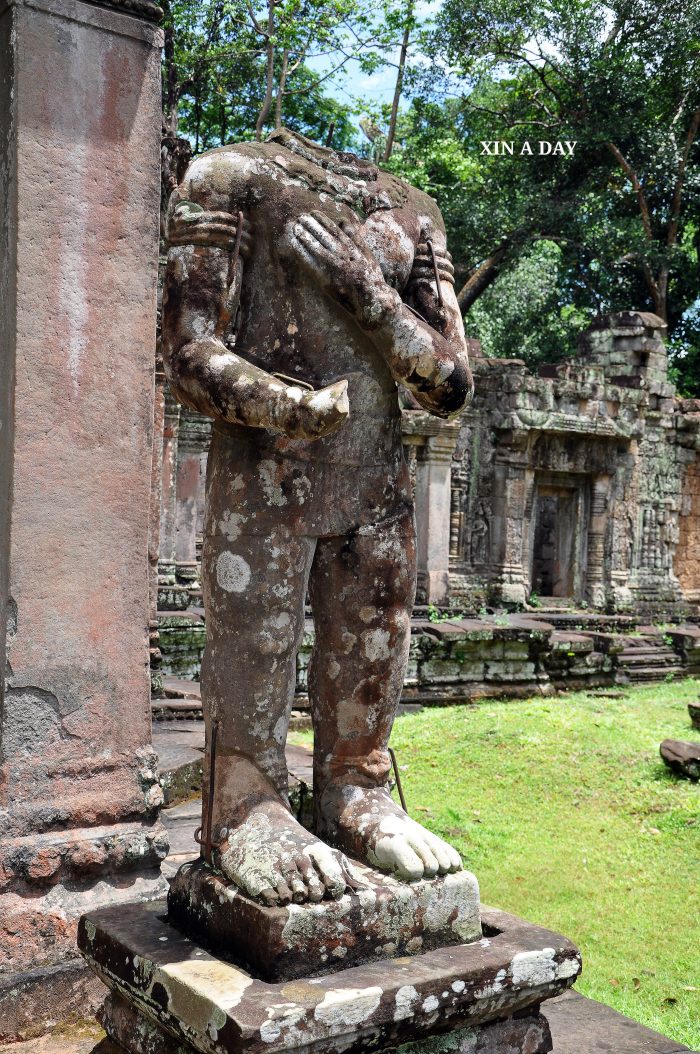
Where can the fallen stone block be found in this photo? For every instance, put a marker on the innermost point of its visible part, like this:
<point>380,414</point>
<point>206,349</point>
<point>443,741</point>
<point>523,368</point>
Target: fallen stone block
<point>682,758</point>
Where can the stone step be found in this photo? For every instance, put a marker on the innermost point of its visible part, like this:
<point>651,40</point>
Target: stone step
<point>648,658</point>
<point>180,688</point>
<point>179,745</point>
<point>652,673</point>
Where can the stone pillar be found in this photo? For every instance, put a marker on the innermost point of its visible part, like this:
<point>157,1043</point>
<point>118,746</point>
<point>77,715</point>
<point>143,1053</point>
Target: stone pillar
<point>434,442</point>
<point>596,585</point>
<point>193,440</point>
<point>508,543</point>
<point>79,189</point>
<point>170,596</point>
<point>154,531</point>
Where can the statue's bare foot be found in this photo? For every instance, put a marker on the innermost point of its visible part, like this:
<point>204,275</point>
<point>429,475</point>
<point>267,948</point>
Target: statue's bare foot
<point>270,856</point>
<point>370,826</point>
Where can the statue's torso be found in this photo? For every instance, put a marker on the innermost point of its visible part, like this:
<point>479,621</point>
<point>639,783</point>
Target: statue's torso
<point>286,325</point>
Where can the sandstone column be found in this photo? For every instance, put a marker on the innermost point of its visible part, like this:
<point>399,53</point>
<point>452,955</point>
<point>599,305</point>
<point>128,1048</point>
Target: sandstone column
<point>79,191</point>
<point>596,585</point>
<point>194,437</point>
<point>510,487</point>
<point>434,442</point>
<point>170,596</point>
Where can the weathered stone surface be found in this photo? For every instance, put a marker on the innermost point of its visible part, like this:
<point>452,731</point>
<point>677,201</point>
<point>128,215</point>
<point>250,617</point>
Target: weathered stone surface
<point>302,287</point>
<point>386,919</point>
<point>694,711</point>
<point>526,1034</point>
<point>577,1025</point>
<point>215,1006</point>
<point>78,257</point>
<point>581,485</point>
<point>182,639</point>
<point>429,444</point>
<point>448,662</point>
<point>683,758</point>
<point>584,1026</point>
<point>35,1001</point>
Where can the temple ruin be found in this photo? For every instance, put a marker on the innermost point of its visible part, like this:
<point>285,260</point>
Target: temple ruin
<point>569,499</point>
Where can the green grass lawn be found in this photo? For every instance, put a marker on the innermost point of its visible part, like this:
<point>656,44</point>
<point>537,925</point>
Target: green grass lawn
<point>567,815</point>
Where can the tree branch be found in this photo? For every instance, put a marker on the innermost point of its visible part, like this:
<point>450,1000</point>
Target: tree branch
<point>680,179</point>
<point>482,276</point>
<point>637,187</point>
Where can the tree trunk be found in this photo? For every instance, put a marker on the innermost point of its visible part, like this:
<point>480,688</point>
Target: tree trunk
<point>391,134</point>
<point>280,89</point>
<point>483,276</point>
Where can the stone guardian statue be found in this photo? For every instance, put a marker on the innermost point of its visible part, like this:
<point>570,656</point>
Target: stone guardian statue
<point>303,286</point>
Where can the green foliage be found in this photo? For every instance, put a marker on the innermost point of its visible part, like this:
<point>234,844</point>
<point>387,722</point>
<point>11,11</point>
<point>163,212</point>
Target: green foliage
<point>541,245</point>
<point>621,81</point>
<point>523,314</point>
<point>228,61</point>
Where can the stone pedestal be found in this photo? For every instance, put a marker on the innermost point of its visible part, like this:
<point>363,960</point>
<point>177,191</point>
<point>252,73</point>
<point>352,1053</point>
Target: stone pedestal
<point>79,186</point>
<point>169,996</point>
<point>431,443</point>
<point>384,919</point>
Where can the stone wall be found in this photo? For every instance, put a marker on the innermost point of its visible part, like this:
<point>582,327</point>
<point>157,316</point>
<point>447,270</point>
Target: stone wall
<point>577,488</point>
<point>688,550</point>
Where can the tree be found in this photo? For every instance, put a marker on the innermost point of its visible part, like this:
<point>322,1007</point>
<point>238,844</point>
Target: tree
<point>622,80</point>
<point>235,69</point>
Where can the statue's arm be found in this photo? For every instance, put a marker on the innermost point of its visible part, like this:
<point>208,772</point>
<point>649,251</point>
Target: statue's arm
<point>201,295</point>
<point>422,337</point>
<point>427,354</point>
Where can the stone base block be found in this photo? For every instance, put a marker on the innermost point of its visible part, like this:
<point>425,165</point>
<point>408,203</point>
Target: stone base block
<point>525,1034</point>
<point>181,999</point>
<point>386,919</point>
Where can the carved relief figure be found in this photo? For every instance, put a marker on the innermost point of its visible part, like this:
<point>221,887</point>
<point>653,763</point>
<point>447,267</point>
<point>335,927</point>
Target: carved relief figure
<point>480,538</point>
<point>302,286</point>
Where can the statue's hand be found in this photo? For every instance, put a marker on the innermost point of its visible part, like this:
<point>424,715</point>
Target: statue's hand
<point>311,415</point>
<point>334,254</point>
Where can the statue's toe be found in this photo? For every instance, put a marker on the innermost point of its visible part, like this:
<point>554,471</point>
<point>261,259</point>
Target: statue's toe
<point>329,867</point>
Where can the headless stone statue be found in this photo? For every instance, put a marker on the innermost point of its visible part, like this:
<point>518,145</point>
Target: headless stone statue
<point>302,287</point>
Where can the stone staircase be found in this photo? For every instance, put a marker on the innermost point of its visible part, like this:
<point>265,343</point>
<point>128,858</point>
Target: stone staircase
<point>648,657</point>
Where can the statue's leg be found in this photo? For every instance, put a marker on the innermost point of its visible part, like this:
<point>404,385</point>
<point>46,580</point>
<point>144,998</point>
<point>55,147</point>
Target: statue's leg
<point>254,590</point>
<point>362,592</point>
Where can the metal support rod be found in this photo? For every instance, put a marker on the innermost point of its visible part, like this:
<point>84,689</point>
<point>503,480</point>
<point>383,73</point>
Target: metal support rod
<point>399,788</point>
<point>429,242</point>
<point>207,842</point>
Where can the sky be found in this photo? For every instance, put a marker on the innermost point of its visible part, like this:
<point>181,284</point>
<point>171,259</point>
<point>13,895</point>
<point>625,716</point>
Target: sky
<point>377,87</point>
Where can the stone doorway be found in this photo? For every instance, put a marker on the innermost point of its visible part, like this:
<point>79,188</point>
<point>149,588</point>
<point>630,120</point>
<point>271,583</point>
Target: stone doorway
<point>558,547</point>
